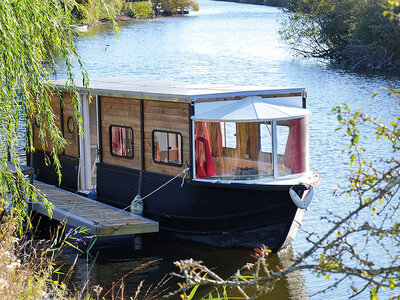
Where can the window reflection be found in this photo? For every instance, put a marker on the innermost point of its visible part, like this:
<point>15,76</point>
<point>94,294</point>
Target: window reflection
<point>167,147</point>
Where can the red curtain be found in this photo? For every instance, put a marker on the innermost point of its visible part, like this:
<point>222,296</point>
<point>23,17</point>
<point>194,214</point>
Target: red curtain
<point>204,160</point>
<point>116,140</point>
<point>123,139</point>
<point>295,156</point>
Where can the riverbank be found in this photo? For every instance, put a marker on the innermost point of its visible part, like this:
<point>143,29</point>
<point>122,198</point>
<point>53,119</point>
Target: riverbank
<point>273,3</point>
<point>95,13</point>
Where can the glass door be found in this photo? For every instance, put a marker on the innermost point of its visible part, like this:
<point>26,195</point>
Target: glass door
<point>88,145</point>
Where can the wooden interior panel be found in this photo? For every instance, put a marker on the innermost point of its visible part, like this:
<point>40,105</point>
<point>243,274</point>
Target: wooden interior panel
<point>72,139</point>
<point>120,112</point>
<point>55,105</point>
<point>248,141</point>
<point>168,116</point>
<point>228,165</point>
<point>254,140</point>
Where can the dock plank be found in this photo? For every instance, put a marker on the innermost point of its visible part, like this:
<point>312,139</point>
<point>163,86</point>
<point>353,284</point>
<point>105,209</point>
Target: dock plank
<point>100,219</point>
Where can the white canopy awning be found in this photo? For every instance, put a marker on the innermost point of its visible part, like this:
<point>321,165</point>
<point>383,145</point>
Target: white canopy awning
<point>251,109</point>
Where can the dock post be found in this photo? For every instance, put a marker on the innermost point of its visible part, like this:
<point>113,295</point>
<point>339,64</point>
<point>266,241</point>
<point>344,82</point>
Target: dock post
<point>137,242</point>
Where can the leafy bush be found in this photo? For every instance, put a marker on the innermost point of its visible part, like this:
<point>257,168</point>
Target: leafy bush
<point>138,9</point>
<point>348,32</point>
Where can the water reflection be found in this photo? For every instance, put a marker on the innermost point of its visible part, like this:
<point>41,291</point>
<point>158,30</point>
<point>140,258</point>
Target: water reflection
<point>119,259</point>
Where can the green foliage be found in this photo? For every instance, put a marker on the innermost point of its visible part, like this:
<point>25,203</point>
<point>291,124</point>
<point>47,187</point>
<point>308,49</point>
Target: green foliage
<point>138,9</point>
<point>172,6</point>
<point>392,9</point>
<point>351,33</point>
<point>35,36</point>
<point>27,266</point>
<point>91,11</point>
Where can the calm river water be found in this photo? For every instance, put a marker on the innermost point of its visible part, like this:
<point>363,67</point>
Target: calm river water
<point>230,43</point>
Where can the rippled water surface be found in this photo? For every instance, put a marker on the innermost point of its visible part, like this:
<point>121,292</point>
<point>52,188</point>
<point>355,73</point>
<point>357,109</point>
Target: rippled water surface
<point>230,43</point>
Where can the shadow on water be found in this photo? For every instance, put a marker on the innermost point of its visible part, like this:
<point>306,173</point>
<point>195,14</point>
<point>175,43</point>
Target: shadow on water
<point>153,262</point>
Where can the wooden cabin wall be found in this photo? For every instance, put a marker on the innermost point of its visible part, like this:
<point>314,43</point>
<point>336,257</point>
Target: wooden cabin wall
<point>55,105</point>
<point>72,139</point>
<point>168,116</point>
<point>120,112</point>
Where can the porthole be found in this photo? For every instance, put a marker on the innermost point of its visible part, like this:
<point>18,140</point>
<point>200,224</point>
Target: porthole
<point>70,124</point>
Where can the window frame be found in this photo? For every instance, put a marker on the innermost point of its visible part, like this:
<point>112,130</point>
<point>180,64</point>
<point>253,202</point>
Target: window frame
<point>153,147</point>
<point>111,145</point>
<point>68,124</point>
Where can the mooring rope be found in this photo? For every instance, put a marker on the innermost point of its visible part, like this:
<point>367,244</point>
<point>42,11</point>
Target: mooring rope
<point>160,187</point>
<point>139,199</point>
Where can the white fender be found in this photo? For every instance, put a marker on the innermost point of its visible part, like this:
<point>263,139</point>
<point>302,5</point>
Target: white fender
<point>137,205</point>
<point>300,203</point>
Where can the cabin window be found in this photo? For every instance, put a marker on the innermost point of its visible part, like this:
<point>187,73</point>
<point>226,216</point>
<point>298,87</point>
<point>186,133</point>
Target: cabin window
<point>259,144</point>
<point>121,141</point>
<point>70,124</point>
<point>228,130</point>
<point>292,146</point>
<point>167,147</point>
<point>266,137</point>
<point>282,133</point>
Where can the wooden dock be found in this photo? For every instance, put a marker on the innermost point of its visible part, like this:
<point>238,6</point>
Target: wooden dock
<point>100,219</point>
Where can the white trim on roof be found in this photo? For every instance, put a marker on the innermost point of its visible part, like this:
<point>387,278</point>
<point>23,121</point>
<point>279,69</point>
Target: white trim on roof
<point>251,109</point>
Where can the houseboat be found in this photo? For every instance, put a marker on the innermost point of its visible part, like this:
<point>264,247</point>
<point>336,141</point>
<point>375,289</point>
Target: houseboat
<point>225,166</point>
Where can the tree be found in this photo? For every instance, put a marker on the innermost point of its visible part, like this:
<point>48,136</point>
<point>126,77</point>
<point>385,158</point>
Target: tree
<point>35,37</point>
<point>349,33</point>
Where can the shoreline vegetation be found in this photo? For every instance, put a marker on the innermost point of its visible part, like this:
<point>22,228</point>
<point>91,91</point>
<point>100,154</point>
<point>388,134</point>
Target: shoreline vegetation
<point>350,34</point>
<point>98,12</point>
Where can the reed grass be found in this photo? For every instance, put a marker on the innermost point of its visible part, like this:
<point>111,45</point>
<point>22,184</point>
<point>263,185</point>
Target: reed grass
<point>29,268</point>
<point>26,269</point>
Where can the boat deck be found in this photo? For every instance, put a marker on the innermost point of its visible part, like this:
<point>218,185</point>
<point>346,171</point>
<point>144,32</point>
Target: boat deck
<point>100,219</point>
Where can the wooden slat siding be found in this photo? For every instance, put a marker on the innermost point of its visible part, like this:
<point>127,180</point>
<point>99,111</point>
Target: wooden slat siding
<point>72,139</point>
<point>120,112</point>
<point>100,219</point>
<point>166,116</point>
<point>55,106</point>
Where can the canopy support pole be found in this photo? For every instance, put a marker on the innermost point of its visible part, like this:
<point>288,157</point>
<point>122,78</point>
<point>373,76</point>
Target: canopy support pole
<point>274,150</point>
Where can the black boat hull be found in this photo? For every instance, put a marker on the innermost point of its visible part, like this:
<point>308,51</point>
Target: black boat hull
<point>214,214</point>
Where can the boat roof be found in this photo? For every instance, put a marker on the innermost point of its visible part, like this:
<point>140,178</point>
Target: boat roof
<point>250,109</point>
<point>149,89</point>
